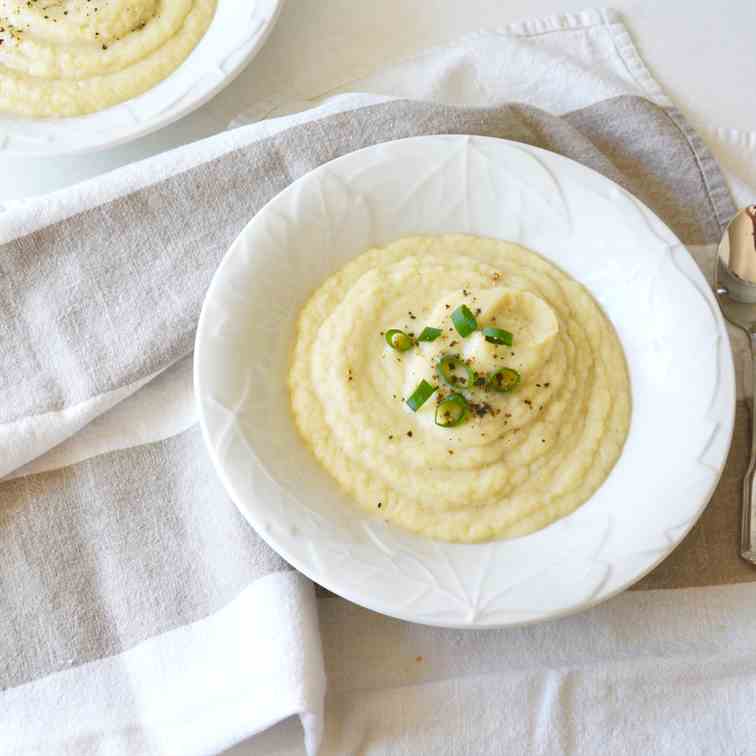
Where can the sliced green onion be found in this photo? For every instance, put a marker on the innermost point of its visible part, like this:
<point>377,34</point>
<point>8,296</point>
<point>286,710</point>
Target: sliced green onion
<point>464,321</point>
<point>452,411</point>
<point>398,340</point>
<point>498,335</point>
<point>429,334</point>
<point>420,395</point>
<point>447,367</point>
<point>503,380</point>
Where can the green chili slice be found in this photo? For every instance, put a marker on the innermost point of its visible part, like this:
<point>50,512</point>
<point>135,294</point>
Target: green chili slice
<point>398,340</point>
<point>447,371</point>
<point>464,321</point>
<point>503,380</point>
<point>429,334</point>
<point>452,411</point>
<point>420,395</point>
<point>498,335</point>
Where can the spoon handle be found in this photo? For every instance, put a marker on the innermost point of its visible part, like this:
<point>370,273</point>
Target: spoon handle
<point>748,523</point>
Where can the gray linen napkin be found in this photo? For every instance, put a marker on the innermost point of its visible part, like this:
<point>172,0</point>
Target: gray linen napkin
<point>96,557</point>
<point>112,295</point>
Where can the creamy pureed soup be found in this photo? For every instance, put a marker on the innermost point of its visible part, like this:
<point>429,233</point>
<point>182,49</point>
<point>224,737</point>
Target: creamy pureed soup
<point>459,387</point>
<point>71,57</point>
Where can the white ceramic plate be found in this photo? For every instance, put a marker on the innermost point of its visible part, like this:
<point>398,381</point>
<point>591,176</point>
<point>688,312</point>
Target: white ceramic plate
<point>674,338</point>
<point>237,31</point>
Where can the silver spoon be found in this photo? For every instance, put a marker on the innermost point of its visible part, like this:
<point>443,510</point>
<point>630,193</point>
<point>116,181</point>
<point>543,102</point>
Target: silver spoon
<point>735,285</point>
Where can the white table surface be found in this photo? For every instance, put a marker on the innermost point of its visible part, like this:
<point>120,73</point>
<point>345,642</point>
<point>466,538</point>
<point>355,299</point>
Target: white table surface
<point>702,52</point>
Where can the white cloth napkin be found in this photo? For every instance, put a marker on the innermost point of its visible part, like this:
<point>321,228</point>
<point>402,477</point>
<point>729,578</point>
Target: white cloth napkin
<point>194,690</point>
<point>661,671</point>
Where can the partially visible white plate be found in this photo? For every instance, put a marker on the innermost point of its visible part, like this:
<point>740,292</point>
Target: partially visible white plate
<point>666,317</point>
<point>238,30</point>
